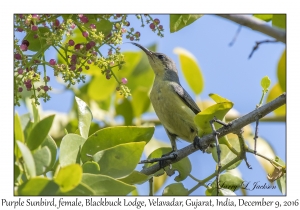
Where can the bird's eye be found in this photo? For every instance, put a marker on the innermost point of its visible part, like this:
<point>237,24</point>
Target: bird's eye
<point>160,56</point>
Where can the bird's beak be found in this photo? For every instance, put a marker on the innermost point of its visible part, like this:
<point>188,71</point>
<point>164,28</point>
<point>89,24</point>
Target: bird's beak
<point>148,52</point>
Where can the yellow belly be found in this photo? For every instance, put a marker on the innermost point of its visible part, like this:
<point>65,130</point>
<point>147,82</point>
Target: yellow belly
<point>173,113</point>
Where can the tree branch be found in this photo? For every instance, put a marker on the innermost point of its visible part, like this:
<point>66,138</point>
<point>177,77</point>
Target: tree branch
<point>236,125</point>
<point>258,25</point>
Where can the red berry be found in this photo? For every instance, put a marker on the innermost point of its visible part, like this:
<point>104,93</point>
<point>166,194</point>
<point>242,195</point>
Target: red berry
<point>18,56</point>
<point>84,19</point>
<point>52,62</point>
<point>156,21</point>
<point>85,33</point>
<point>78,46</point>
<point>137,34</point>
<point>72,26</point>
<point>152,26</point>
<point>25,42</point>
<point>88,46</point>
<point>93,26</point>
<point>23,47</point>
<point>46,88</point>
<point>20,29</point>
<point>34,28</point>
<point>131,38</point>
<point>71,42</point>
<point>124,80</point>
<point>160,27</point>
<point>20,89</point>
<point>20,71</point>
<point>56,23</point>
<point>92,43</point>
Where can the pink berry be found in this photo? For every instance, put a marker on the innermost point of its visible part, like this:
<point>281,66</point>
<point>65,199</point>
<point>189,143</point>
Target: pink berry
<point>20,29</point>
<point>72,26</point>
<point>23,47</point>
<point>123,30</point>
<point>93,26</point>
<point>160,27</point>
<point>156,21</point>
<point>152,26</point>
<point>34,28</point>
<point>52,62</point>
<point>124,80</point>
<point>18,56</point>
<point>131,38</point>
<point>20,71</point>
<point>92,43</point>
<point>78,46</point>
<point>71,42</point>
<point>56,23</point>
<point>36,17</point>
<point>88,46</point>
<point>74,57</point>
<point>85,34</point>
<point>20,89</point>
<point>80,15</point>
<point>84,19</point>
<point>46,88</point>
<point>25,42</point>
<point>73,67</point>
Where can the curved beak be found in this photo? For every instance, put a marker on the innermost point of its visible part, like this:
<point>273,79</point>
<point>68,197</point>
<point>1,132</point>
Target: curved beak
<point>148,52</point>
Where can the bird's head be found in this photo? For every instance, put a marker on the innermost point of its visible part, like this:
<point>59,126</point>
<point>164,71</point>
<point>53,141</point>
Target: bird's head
<point>160,63</point>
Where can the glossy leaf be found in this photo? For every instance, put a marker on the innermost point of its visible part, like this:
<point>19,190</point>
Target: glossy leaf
<point>217,98</point>
<point>91,167</point>
<point>140,101</point>
<point>274,93</point>
<point>85,118</point>
<point>101,88</point>
<point>135,177</point>
<point>51,145</point>
<point>279,20</point>
<point>113,136</point>
<point>39,132</point>
<point>25,118</point>
<point>28,159</point>
<point>191,70</point>
<point>183,167</point>
<point>18,129</point>
<point>175,189</point>
<point>36,116</point>
<point>265,83</point>
<point>121,160</point>
<point>42,159</point>
<point>226,155</point>
<point>80,189</point>
<point>281,71</point>
<point>178,22</point>
<point>124,108</point>
<point>68,177</point>
<point>70,149</point>
<point>35,44</point>
<point>38,186</point>
<point>105,185</point>
<point>28,129</point>
<point>265,17</point>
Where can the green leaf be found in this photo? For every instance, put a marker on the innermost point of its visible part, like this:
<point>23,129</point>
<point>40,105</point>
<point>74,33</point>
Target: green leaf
<point>35,44</point>
<point>101,88</point>
<point>112,136</point>
<point>135,177</point>
<point>191,70</point>
<point>28,159</point>
<point>265,83</point>
<point>178,22</point>
<point>42,159</point>
<point>140,101</point>
<point>68,177</point>
<point>175,189</point>
<point>38,186</point>
<point>16,172</point>
<point>105,185</point>
<point>39,132</point>
<point>281,71</point>
<point>121,160</point>
<point>85,117</point>
<point>281,182</point>
<point>18,129</point>
<point>265,17</point>
<point>105,26</point>
<point>274,93</point>
<point>25,118</point>
<point>124,108</point>
<point>183,167</point>
<point>28,129</point>
<point>51,145</point>
<point>229,181</point>
<point>91,167</point>
<point>80,189</point>
<point>217,98</point>
<point>70,149</point>
<point>279,20</point>
<point>226,155</point>
<point>36,116</point>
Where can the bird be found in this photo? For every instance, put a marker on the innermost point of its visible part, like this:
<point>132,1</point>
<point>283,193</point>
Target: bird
<point>173,106</point>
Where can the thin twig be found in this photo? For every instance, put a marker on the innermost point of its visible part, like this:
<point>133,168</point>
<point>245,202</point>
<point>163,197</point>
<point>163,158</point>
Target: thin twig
<point>235,36</point>
<point>259,43</point>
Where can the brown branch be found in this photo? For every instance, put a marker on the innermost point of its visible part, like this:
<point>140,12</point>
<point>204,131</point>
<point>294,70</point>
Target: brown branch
<point>258,25</point>
<point>236,125</point>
